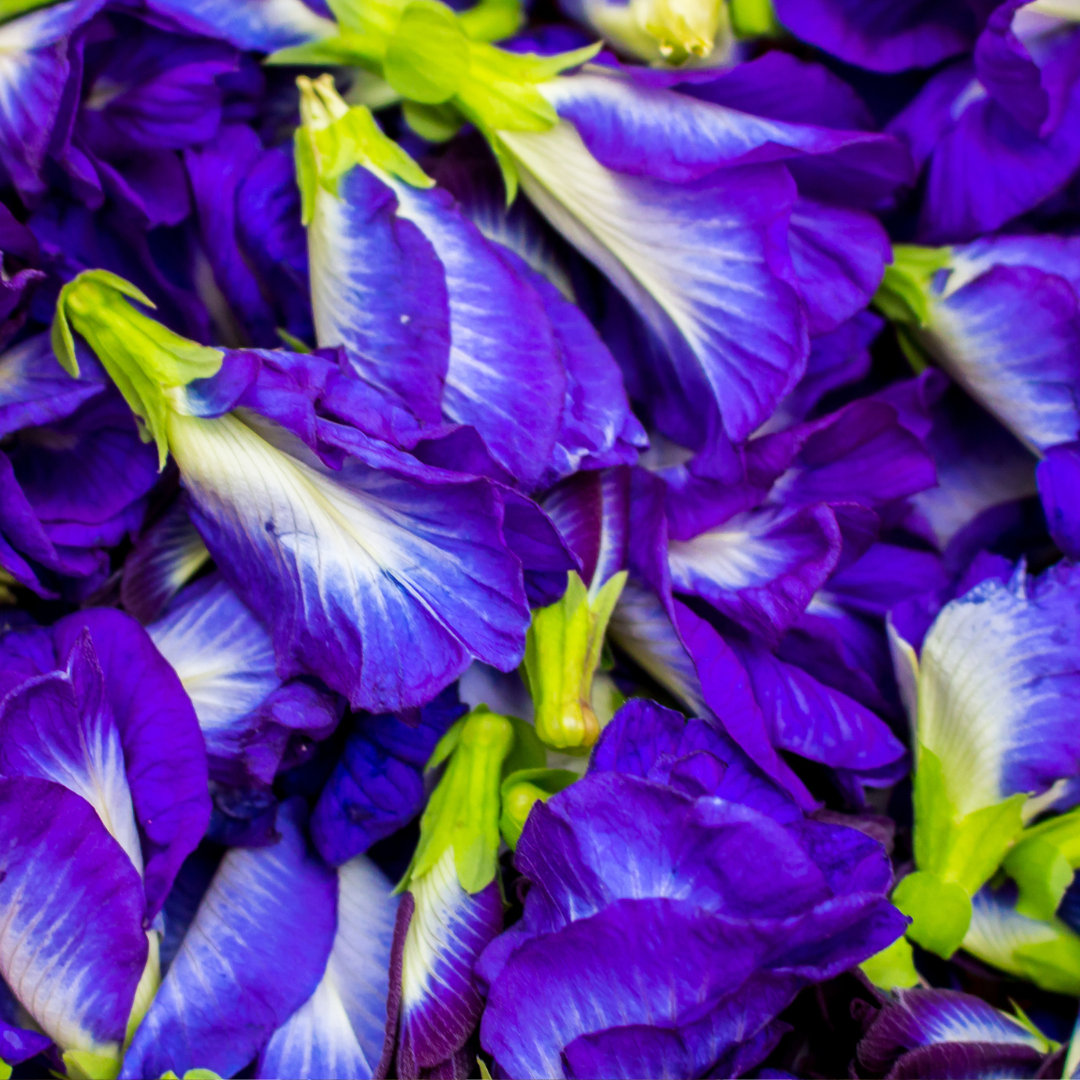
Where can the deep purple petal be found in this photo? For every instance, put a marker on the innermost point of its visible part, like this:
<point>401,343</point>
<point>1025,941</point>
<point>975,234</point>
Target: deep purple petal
<point>164,752</point>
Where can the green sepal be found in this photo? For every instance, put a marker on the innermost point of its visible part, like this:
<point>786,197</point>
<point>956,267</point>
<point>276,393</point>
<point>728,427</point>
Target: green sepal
<point>904,293</point>
<point>463,811</point>
<point>84,1065</point>
<point>345,50</point>
<point>754,18</point>
<point>965,850</point>
<point>5,1070</point>
<point>528,752</point>
<point>562,653</point>
<point>892,968</point>
<point>192,1074</point>
<point>146,361</point>
<point>492,20</point>
<point>334,138</point>
<point>1048,1046</point>
<point>293,343</point>
<point>1052,965</point>
<point>1042,872</point>
<point>1042,863</point>
<point>501,89</point>
<point>521,791</point>
<point>940,911</point>
<point>435,123</point>
<point>12,9</point>
<point>427,56</point>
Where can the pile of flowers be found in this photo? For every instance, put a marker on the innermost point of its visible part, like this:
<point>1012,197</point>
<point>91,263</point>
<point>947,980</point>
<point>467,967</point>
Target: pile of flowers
<point>539,541</point>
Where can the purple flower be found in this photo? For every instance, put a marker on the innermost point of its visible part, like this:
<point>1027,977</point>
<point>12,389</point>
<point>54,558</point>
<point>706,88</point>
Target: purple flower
<point>678,902</point>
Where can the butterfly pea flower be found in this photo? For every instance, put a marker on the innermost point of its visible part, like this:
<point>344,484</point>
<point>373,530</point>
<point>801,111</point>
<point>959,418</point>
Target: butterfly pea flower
<point>634,957</point>
<point>104,792</point>
<point>453,328</point>
<point>565,641</point>
<point>225,660</point>
<point>595,152</point>
<point>996,134</point>
<point>988,694</point>
<point>283,960</point>
<point>378,574</point>
<point>1001,316</point>
<point>943,1032</point>
<point>452,906</point>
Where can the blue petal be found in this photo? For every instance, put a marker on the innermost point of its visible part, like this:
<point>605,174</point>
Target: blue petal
<point>705,265</point>
<point>998,675</point>
<point>164,753</point>
<point>59,727</point>
<point>32,78</point>
<point>1059,487</point>
<point>259,25</point>
<point>224,658</point>
<point>839,256</point>
<point>383,582</point>
<point>1011,338</point>
<point>447,930</point>
<point>164,558</point>
<point>642,628</point>
<point>883,35</point>
<point>377,785</point>
<point>504,376</point>
<point>35,390</point>
<point>73,946</point>
<point>591,510</point>
<point>760,568</point>
<point>806,717</point>
<point>647,132</point>
<point>377,288</point>
<point>727,691</point>
<point>928,1017</point>
<point>254,953</point>
<point>339,1031</point>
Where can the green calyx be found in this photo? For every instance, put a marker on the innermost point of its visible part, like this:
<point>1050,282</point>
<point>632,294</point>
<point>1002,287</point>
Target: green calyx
<point>754,18</point>
<point>904,296</point>
<point>521,791</point>
<point>1042,864</point>
<point>562,654</point>
<point>893,968</point>
<point>904,293</point>
<point>955,855</point>
<point>85,1065</point>
<point>463,811</point>
<point>334,138</point>
<point>149,363</point>
<point>438,59</point>
<point>12,9</point>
